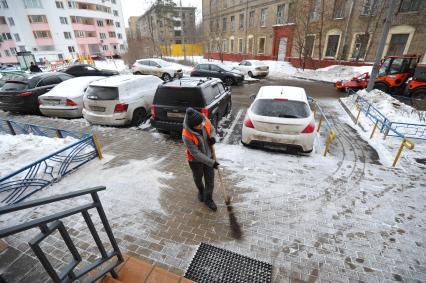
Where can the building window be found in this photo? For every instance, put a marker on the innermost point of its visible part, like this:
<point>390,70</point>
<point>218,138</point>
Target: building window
<point>4,4</point>
<point>117,24</point>
<point>409,6</point>
<point>291,13</point>
<point>72,4</point>
<point>105,47</point>
<point>33,4</point>
<point>263,15</point>
<point>240,45</point>
<point>115,13</point>
<point>11,21</point>
<point>67,35</point>
<point>113,1</point>
<point>120,36</point>
<point>280,14</point>
<point>6,36</point>
<point>309,46</point>
<point>315,12</point>
<point>332,45</point>
<point>17,37</point>
<point>261,45</point>
<point>250,45</point>
<point>7,53</point>
<point>224,20</point>
<point>42,34</point>
<point>368,7</point>
<point>13,51</point>
<point>100,23</point>
<point>111,34</point>
<point>36,19</point>
<point>251,19</point>
<point>79,33</point>
<point>71,49</point>
<point>339,9</point>
<point>397,44</point>
<point>2,21</point>
<point>109,22</point>
<point>241,21</point>
<point>63,20</point>
<point>224,45</point>
<point>122,46</point>
<point>232,23</point>
<point>22,48</point>
<point>59,4</point>
<point>360,46</point>
<point>231,45</point>
<point>102,35</point>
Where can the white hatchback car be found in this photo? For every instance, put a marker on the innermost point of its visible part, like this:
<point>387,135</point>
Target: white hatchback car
<point>156,67</point>
<point>253,68</point>
<point>280,118</point>
<point>66,99</point>
<point>120,100</point>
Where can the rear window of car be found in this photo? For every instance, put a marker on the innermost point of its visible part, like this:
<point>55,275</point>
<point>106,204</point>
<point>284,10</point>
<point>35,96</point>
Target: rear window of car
<point>102,93</point>
<point>187,97</point>
<point>11,86</point>
<point>281,108</point>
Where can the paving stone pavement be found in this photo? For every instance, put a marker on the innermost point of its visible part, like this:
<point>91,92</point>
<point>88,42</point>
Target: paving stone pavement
<point>354,226</point>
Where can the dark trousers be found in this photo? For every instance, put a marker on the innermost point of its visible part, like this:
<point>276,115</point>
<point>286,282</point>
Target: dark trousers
<point>199,170</point>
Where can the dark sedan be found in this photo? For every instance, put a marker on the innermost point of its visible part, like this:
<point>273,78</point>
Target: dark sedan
<point>229,75</point>
<point>84,70</point>
<point>21,94</point>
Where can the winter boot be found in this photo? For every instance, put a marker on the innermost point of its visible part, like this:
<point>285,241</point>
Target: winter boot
<point>200,196</point>
<point>210,204</point>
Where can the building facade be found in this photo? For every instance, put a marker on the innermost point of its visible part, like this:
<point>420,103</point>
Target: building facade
<point>56,30</point>
<point>133,31</point>
<point>315,33</point>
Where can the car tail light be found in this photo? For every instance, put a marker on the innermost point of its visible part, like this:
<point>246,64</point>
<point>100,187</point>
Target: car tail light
<point>121,107</point>
<point>205,111</point>
<point>71,103</point>
<point>153,111</point>
<point>280,99</point>
<point>310,128</point>
<point>248,123</point>
<point>27,93</point>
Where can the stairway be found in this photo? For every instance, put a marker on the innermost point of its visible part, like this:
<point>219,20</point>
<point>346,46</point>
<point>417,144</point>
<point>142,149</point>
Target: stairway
<point>134,270</point>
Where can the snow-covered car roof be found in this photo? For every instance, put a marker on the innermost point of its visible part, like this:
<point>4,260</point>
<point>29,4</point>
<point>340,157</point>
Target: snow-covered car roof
<point>256,62</point>
<point>282,92</point>
<point>73,87</point>
<point>116,81</point>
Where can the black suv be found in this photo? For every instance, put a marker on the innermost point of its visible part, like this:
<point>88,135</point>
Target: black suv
<point>207,95</point>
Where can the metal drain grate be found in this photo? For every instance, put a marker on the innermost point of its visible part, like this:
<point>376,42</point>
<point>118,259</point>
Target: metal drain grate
<point>214,265</point>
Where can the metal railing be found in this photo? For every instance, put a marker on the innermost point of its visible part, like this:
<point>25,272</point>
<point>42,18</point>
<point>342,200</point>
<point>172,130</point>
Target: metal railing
<point>49,224</point>
<point>386,126</point>
<point>331,133</point>
<point>35,176</point>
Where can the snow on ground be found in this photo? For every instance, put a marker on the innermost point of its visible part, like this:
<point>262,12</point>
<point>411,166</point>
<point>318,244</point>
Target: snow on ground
<point>280,69</point>
<point>113,64</point>
<point>20,150</point>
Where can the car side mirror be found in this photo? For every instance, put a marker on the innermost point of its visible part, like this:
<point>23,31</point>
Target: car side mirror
<point>253,97</point>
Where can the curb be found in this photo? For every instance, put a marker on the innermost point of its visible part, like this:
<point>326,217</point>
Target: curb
<point>312,80</point>
<point>348,111</point>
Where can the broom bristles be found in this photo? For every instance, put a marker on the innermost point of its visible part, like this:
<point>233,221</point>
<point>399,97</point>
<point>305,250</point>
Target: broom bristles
<point>235,226</point>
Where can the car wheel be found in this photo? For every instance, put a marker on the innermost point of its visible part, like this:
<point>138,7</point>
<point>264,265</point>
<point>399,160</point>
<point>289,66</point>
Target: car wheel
<point>229,81</point>
<point>137,73</point>
<point>166,77</point>
<point>418,99</point>
<point>139,116</point>
<point>381,86</point>
<point>250,74</point>
<point>163,132</point>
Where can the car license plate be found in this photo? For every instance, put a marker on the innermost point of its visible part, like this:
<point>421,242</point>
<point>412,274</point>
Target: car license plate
<point>175,115</point>
<point>52,102</point>
<point>97,108</point>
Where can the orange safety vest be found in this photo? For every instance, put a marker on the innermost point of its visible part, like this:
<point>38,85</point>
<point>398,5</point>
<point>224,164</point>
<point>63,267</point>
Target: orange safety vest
<point>194,138</point>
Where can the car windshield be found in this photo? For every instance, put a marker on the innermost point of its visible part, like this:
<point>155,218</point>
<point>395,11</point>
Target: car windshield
<point>102,93</point>
<point>163,63</point>
<point>281,108</point>
<point>12,86</point>
<point>225,67</point>
<point>186,97</point>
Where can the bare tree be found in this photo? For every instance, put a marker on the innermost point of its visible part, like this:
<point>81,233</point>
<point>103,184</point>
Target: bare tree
<point>302,30</point>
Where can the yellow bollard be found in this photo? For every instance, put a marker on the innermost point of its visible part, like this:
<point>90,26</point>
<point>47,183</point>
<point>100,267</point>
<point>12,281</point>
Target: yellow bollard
<point>385,134</point>
<point>331,136</point>
<point>97,146</point>
<point>359,113</point>
<point>319,124</point>
<point>374,129</point>
<point>408,144</point>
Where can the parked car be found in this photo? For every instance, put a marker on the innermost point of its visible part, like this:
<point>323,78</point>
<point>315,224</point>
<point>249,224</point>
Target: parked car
<point>253,68</point>
<point>280,118</point>
<point>156,67</point>
<point>229,75</point>
<point>207,95</point>
<point>83,70</point>
<point>10,76</point>
<point>21,95</point>
<point>66,99</point>
<point>119,100</point>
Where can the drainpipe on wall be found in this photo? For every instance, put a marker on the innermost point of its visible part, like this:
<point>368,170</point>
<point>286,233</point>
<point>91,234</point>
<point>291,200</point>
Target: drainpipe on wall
<point>345,35</point>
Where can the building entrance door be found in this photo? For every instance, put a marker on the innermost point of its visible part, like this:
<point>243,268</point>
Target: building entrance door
<point>282,48</point>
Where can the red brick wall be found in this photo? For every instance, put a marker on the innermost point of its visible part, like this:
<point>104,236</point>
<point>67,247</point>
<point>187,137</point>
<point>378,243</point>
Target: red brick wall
<point>235,56</point>
<point>315,64</point>
<point>282,31</point>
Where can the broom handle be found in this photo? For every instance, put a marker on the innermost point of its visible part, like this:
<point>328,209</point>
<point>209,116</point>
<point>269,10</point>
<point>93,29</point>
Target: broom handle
<point>225,196</point>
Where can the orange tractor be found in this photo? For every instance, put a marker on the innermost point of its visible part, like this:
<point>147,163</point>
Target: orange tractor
<point>394,73</point>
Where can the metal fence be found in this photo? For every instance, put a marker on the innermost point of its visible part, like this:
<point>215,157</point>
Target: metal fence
<point>35,176</point>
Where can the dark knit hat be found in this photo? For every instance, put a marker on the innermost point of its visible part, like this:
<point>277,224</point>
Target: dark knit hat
<point>193,117</point>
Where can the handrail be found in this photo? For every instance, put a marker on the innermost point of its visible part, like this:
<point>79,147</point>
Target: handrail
<point>50,224</point>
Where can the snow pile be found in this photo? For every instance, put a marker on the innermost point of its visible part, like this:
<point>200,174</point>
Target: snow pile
<point>113,64</point>
<point>392,108</point>
<point>20,150</point>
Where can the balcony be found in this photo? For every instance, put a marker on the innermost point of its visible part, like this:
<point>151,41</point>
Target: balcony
<point>40,26</point>
<point>44,41</point>
<point>83,27</point>
<point>87,40</point>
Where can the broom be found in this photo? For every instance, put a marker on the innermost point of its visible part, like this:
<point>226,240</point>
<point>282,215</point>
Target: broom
<point>235,226</point>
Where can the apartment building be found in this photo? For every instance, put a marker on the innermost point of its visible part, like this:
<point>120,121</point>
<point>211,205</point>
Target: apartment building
<point>324,31</point>
<point>133,32</point>
<point>60,29</point>
<point>168,26</point>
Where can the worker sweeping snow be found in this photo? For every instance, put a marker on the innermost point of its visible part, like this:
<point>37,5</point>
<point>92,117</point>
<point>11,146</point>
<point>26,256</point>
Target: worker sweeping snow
<point>199,136</point>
